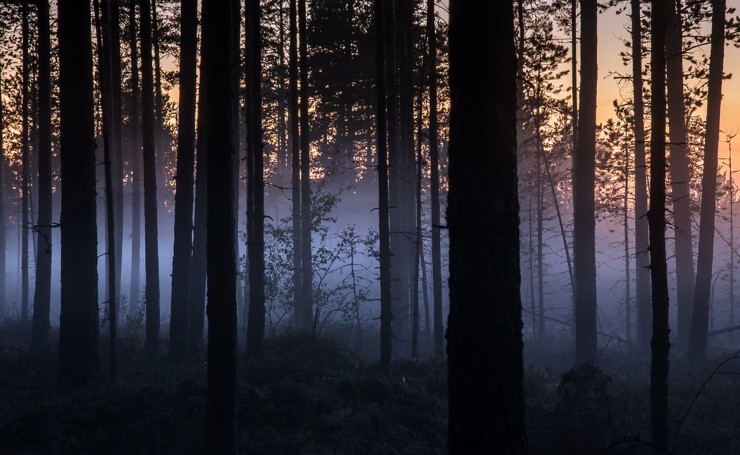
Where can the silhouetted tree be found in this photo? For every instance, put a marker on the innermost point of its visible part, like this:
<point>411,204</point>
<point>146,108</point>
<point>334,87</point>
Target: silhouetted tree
<point>386,310</point>
<point>221,264</point>
<point>306,221</point>
<point>3,240</point>
<point>104,74</point>
<point>679,169</point>
<point>150,183</point>
<point>256,182</point>
<point>184,195</point>
<point>135,165</point>
<point>42,294</point>
<point>642,260</point>
<point>25,199</point>
<point>486,397</point>
<point>303,314</point>
<point>700,315</point>
<point>78,330</point>
<point>198,260</point>
<point>584,248</point>
<point>660,343</point>
<point>434,182</point>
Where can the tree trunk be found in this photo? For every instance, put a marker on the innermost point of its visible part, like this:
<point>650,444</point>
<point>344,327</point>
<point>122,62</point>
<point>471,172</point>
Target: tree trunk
<point>3,239</point>
<point>150,184</point>
<point>104,71</point>
<point>42,294</point>
<point>656,217</point>
<point>221,264</point>
<point>627,272</point>
<point>584,248</point>
<point>485,371</point>
<point>198,261</point>
<point>184,191</point>
<point>679,169</point>
<point>700,315</point>
<point>405,171</point>
<point>434,183</point>
<point>399,274</point>
<point>386,329</point>
<point>25,202</point>
<point>642,260</point>
<point>306,221</point>
<point>418,240</point>
<point>78,331</point>
<point>256,183</point>
<point>135,169</point>
<point>158,99</point>
<point>111,10</point>
<point>302,313</point>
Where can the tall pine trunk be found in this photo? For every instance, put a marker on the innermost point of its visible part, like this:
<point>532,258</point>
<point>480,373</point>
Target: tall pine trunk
<point>660,343</point>
<point>3,240</point>
<point>104,72</point>
<point>184,190</point>
<point>150,184</point>
<point>255,182</point>
<point>197,287</point>
<point>42,294</point>
<point>25,198</point>
<point>135,168</point>
<point>584,247</point>
<point>386,328</point>
<point>642,260</point>
<point>700,315</point>
<point>111,10</point>
<point>679,169</point>
<point>221,264</point>
<point>306,219</point>
<point>302,312</point>
<point>78,330</point>
<point>485,367</point>
<point>434,183</point>
<point>406,169</point>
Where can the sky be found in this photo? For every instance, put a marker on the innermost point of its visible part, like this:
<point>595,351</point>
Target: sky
<point>613,29</point>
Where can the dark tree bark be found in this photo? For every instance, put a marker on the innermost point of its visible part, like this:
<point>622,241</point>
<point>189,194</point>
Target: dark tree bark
<point>3,240</point>
<point>406,172</point>
<point>484,336</point>
<point>679,169</point>
<point>302,312</point>
<point>159,132</point>
<point>135,168</point>
<point>184,190</point>
<point>418,239</point>
<point>198,260</point>
<point>386,329</point>
<point>642,260</point>
<point>660,344</point>
<point>25,200</point>
<point>111,10</point>
<point>399,263</point>
<point>150,183</point>
<point>105,75</point>
<point>700,315</point>
<point>256,183</point>
<point>306,222</point>
<point>584,248</point>
<point>434,183</point>
<point>221,264</point>
<point>42,294</point>
<point>78,330</point>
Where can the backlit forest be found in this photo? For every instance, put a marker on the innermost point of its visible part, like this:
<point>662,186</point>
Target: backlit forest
<point>369,226</point>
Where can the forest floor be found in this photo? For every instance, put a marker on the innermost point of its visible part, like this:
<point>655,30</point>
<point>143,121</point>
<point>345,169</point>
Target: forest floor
<point>313,396</point>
